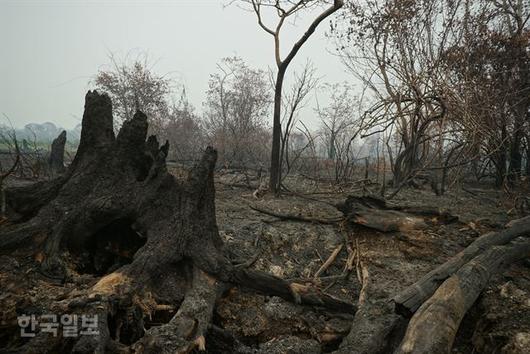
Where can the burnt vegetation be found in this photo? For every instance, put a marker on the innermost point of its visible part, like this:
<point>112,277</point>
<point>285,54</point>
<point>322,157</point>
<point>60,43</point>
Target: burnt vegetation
<point>399,223</point>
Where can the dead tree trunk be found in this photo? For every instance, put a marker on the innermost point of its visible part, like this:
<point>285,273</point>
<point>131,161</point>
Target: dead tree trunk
<point>117,212</point>
<point>56,158</point>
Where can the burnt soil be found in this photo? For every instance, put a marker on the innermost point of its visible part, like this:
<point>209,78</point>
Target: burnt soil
<point>248,322</point>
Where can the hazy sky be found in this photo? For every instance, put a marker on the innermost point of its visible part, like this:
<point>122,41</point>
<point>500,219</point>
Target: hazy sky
<point>50,49</point>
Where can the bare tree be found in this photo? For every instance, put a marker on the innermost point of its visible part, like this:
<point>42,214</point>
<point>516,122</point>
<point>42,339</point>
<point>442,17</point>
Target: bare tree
<point>236,107</point>
<point>396,48</point>
<point>283,11</point>
<point>496,71</point>
<point>184,130</point>
<point>304,83</point>
<point>32,157</point>
<point>8,140</point>
<point>340,127</point>
<point>132,85</point>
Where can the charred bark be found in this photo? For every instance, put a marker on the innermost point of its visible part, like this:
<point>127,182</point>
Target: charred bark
<point>56,158</point>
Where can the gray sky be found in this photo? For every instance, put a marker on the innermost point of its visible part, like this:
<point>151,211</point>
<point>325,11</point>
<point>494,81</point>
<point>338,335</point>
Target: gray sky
<point>52,48</point>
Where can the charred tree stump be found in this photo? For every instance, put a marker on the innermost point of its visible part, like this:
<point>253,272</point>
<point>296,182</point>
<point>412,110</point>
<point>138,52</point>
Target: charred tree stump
<point>411,298</point>
<point>433,327</point>
<point>56,158</point>
<point>117,212</point>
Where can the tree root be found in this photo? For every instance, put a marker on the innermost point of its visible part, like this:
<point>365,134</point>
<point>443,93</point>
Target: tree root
<point>186,331</point>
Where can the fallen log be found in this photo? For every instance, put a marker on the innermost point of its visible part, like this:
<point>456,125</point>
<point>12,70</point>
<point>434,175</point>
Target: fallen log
<point>410,298</point>
<point>433,327</point>
<point>374,213</point>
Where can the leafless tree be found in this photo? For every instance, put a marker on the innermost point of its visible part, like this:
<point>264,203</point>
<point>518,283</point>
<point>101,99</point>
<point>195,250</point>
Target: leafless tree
<point>236,107</point>
<point>294,100</point>
<point>184,129</point>
<point>307,151</point>
<point>133,85</point>
<point>283,11</point>
<point>340,127</point>
<point>490,65</point>
<point>396,48</point>
<point>9,143</point>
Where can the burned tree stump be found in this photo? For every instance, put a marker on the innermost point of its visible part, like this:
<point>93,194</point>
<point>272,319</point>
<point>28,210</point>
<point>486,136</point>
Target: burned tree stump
<point>116,212</point>
<point>56,158</point>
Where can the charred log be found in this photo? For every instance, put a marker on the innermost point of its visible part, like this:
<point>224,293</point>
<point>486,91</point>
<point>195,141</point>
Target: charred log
<point>374,213</point>
<point>433,327</point>
<point>411,298</point>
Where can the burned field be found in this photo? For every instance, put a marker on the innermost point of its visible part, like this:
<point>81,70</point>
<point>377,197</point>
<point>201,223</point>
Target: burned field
<point>166,259</point>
